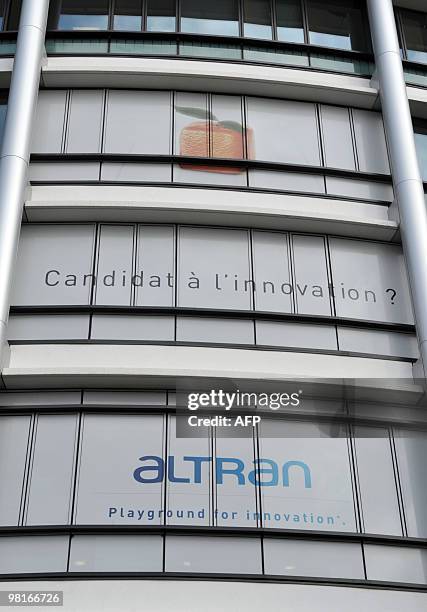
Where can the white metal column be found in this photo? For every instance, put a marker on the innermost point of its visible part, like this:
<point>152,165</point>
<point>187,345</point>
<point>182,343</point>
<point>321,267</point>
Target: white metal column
<point>15,152</point>
<point>407,182</point>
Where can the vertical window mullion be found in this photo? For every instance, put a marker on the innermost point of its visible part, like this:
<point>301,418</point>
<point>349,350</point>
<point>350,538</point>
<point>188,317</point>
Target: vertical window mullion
<point>305,23</point>
<point>273,19</point>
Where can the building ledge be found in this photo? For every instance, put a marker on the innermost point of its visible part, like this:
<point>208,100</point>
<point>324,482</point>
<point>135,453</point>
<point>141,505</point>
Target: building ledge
<point>69,203</point>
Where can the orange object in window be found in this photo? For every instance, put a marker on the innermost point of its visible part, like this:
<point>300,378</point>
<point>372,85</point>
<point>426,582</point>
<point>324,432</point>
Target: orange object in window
<point>225,142</point>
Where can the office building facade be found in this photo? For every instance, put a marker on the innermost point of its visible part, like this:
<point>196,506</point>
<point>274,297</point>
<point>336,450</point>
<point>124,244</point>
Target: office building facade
<point>204,196</point>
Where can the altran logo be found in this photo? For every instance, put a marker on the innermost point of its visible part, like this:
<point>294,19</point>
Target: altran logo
<point>262,472</point>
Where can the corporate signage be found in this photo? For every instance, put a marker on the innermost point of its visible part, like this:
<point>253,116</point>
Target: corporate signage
<point>295,482</point>
<point>213,268</point>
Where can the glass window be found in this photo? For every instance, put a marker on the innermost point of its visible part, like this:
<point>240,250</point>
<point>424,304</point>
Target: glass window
<point>378,289</point>
<point>161,15</point>
<point>380,507</point>
<point>337,138</point>
<point>338,23</point>
<point>283,131</point>
<point>114,271</point>
<point>280,333</point>
<point>14,432</point>
<point>3,111</point>
<point>85,122</point>
<point>215,330</point>
<point>415,32</point>
<point>51,474</point>
<point>3,6</point>
<point>83,15</point>
<point>116,553</point>
<point>289,557</point>
<point>218,17</point>
<point>220,555</point>
<point>127,15</point>
<point>421,145</point>
<point>33,554</point>
<point>396,563</point>
<point>272,271</point>
<point>49,123</point>
<point>257,19</point>
<point>133,327</point>
<point>62,271</point>
<point>311,286</point>
<point>14,14</point>
<point>138,122</point>
<point>189,478</point>
<point>411,447</point>
<point>370,142</point>
<point>155,266</point>
<point>121,475</point>
<point>289,21</point>
<point>305,477</point>
<point>214,268</point>
<point>236,497</point>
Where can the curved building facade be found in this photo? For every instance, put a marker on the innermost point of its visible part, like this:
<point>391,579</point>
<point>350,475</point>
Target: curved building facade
<point>214,327</point>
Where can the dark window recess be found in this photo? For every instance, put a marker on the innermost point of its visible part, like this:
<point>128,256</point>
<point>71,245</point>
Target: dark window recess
<point>338,23</point>
<point>257,19</point>
<point>127,15</point>
<point>414,26</point>
<point>79,14</point>
<point>220,17</point>
<point>289,21</point>
<point>161,15</point>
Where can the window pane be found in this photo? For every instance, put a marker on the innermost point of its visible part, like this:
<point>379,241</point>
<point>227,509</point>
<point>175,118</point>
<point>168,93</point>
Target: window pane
<point>304,475</point>
<point>57,274</point>
<point>3,4</point>
<point>213,555</point>
<point>161,15</point>
<point>415,31</point>
<point>421,145</point>
<point>380,508</point>
<point>411,449</point>
<point>218,17</point>
<point>127,15</point>
<point>257,19</point>
<point>338,23</point>
<point>337,139</point>
<point>49,124</point>
<point>236,497</point>
<point>396,563</point>
<point>155,259</point>
<point>375,267</point>
<point>51,477</point>
<point>271,263</point>
<point>283,131</point>
<point>14,14</point>
<point>370,142</point>
<point>289,557</point>
<point>310,270</point>
<point>210,261</point>
<point>33,554</point>
<point>85,122</point>
<point>114,270</point>
<point>121,470</point>
<point>83,15</point>
<point>289,21</point>
<point>138,122</point>
<point>14,432</point>
<point>116,553</point>
<point>189,469</point>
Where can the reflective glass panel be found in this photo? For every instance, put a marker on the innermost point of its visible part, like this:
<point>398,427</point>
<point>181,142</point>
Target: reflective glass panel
<point>289,21</point>
<point>127,15</point>
<point>83,15</point>
<point>219,17</point>
<point>161,15</point>
<point>337,23</point>
<point>415,32</point>
<point>257,19</point>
